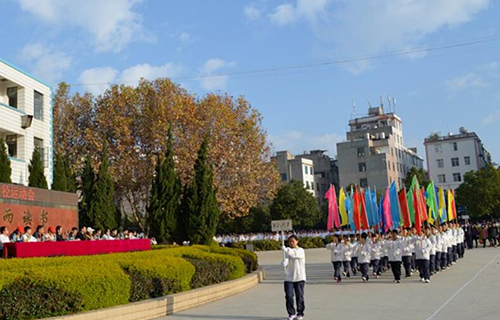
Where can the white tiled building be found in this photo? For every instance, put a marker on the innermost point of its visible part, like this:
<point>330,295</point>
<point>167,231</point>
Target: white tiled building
<point>25,120</point>
<point>450,157</point>
<point>296,168</point>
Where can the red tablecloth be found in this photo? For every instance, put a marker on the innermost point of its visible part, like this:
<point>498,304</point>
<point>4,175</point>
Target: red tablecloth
<point>73,248</point>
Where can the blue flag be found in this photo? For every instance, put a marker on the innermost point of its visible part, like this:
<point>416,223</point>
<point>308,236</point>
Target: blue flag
<point>395,211</point>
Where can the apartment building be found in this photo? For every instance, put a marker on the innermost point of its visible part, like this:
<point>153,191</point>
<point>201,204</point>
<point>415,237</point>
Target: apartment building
<point>25,120</point>
<point>296,168</point>
<point>450,157</point>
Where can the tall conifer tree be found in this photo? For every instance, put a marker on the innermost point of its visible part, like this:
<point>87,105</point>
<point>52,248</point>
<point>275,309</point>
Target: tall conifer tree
<point>164,203</point>
<point>86,193</point>
<point>200,210</point>
<point>36,171</point>
<point>59,180</point>
<point>5,169</point>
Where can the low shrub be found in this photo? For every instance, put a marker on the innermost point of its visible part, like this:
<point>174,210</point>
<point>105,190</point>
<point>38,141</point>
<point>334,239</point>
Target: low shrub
<point>266,245</point>
<point>209,272</point>
<point>249,258</point>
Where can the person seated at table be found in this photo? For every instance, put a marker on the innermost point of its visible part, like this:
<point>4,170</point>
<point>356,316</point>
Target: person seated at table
<point>59,234</point>
<point>4,238</point>
<point>16,235</point>
<point>81,235</point>
<point>97,235</point>
<point>28,235</point>
<point>114,233</point>
<point>50,235</point>
<point>132,235</point>
<point>39,233</point>
<point>107,235</point>
<point>125,235</point>
<point>153,241</point>
<point>72,234</point>
<point>90,234</point>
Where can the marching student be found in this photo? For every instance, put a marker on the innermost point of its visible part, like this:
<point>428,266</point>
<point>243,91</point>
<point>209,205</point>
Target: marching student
<point>432,237</point>
<point>449,243</point>
<point>375,253</point>
<point>346,256</point>
<point>295,277</point>
<point>336,248</point>
<point>384,261</point>
<point>423,248</point>
<point>454,243</point>
<point>395,249</point>
<point>444,247</point>
<point>354,254</point>
<point>364,253</point>
<point>461,241</point>
<point>407,251</point>
<point>414,237</point>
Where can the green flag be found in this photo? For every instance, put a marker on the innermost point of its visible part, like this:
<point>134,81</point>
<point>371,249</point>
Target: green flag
<point>431,202</point>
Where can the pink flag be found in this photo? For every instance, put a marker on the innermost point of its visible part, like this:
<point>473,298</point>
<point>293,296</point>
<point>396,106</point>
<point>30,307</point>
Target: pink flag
<point>333,210</point>
<point>387,211</point>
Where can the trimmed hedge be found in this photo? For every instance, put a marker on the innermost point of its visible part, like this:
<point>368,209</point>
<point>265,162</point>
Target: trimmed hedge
<point>45,287</point>
<point>270,245</point>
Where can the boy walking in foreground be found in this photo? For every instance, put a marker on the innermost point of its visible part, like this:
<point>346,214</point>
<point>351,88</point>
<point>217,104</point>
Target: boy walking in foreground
<point>295,277</point>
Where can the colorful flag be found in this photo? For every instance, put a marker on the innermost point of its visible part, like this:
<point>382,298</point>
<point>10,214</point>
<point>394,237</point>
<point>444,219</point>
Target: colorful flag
<point>452,210</point>
<point>376,215</point>
<point>423,207</point>
<point>405,211</point>
<point>395,209</point>
<point>381,213</point>
<point>333,211</point>
<point>387,211</point>
<point>418,216</point>
<point>411,207</point>
<point>369,207</point>
<point>442,206</point>
<point>350,210</point>
<point>342,208</point>
<point>432,203</point>
<point>363,211</point>
<point>356,204</point>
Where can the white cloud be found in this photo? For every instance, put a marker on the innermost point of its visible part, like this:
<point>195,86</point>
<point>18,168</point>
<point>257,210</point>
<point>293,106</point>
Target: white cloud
<point>367,27</point>
<point>492,118</point>
<point>112,24</point>
<point>469,80</point>
<point>185,37</point>
<point>297,142</point>
<point>44,62</point>
<point>208,80</point>
<point>252,12</point>
<point>97,80</point>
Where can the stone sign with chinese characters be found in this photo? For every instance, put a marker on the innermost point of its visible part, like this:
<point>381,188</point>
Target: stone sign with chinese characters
<point>22,206</point>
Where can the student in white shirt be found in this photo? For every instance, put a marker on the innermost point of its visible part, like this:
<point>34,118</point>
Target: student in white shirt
<point>354,255</point>
<point>295,277</point>
<point>364,254</point>
<point>27,236</point>
<point>395,247</point>
<point>336,256</point>
<point>4,238</point>
<point>423,248</point>
<point>407,252</point>
<point>346,256</point>
<point>375,254</point>
<point>433,239</point>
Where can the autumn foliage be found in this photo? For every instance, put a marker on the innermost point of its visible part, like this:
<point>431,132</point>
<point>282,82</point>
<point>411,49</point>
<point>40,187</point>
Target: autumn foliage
<point>134,122</point>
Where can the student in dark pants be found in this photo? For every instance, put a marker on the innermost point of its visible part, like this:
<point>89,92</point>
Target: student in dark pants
<point>364,250</point>
<point>295,278</point>
<point>336,253</point>
<point>395,247</point>
<point>407,242</point>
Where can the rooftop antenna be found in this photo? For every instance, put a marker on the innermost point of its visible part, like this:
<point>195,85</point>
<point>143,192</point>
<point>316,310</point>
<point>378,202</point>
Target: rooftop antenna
<point>369,102</point>
<point>381,102</point>
<point>394,104</point>
<point>389,100</point>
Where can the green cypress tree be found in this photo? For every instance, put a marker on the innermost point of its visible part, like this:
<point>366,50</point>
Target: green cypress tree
<point>5,169</point>
<point>164,203</point>
<point>200,213</point>
<point>86,193</point>
<point>59,181</point>
<point>102,205</point>
<point>36,172</point>
<point>70,175</point>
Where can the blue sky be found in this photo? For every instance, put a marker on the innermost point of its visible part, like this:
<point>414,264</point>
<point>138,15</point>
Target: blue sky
<point>93,43</point>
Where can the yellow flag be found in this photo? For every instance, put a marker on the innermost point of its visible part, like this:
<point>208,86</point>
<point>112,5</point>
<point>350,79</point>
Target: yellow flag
<point>442,204</point>
<point>450,204</point>
<point>343,213</point>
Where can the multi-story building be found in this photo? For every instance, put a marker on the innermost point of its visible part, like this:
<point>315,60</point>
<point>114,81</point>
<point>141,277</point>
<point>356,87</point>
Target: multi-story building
<point>374,154</point>
<point>450,157</point>
<point>296,168</point>
<point>326,172</point>
<point>25,120</point>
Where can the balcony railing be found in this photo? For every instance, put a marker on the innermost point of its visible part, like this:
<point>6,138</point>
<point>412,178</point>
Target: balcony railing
<point>12,108</point>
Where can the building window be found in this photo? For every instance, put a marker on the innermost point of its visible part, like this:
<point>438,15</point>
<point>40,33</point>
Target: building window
<point>362,167</point>
<point>393,166</point>
<point>38,143</point>
<point>455,146</point>
<point>311,170</point>
<point>455,162</point>
<point>457,177</point>
<point>361,152</point>
<point>440,163</point>
<point>317,187</point>
<point>467,161</point>
<point>12,95</point>
<point>324,187</point>
<point>38,107</point>
<point>389,165</point>
<point>283,177</point>
<point>441,178</point>
<point>438,148</point>
<point>305,169</point>
<point>392,151</point>
<point>363,183</point>
<point>307,185</point>
<point>312,185</point>
<point>11,145</point>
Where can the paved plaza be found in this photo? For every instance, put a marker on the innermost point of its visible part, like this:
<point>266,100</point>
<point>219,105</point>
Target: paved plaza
<point>469,290</point>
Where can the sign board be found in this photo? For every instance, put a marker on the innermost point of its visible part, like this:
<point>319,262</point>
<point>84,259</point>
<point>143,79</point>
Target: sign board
<point>465,217</point>
<point>281,225</point>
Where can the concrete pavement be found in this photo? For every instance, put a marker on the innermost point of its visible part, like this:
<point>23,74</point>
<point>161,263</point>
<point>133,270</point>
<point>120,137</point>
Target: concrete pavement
<point>469,290</point>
